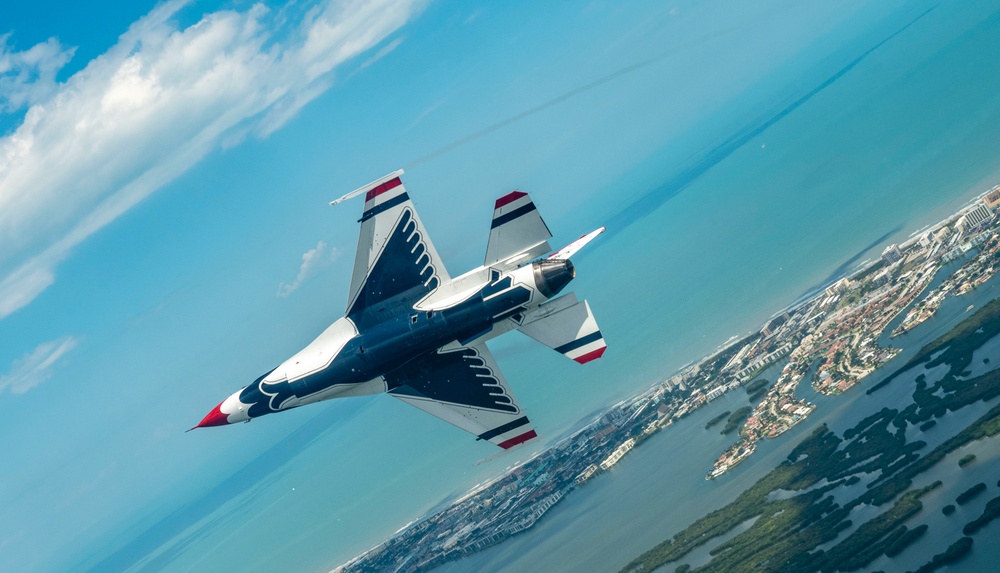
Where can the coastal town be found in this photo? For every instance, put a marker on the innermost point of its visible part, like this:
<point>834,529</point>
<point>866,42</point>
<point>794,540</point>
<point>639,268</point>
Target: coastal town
<point>833,340</point>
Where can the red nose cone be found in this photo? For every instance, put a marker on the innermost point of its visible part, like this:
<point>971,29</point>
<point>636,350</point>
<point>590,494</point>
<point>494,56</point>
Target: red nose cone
<point>214,418</point>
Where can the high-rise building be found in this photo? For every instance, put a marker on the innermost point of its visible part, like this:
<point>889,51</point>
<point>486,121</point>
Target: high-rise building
<point>976,216</point>
<point>772,325</point>
<point>891,254</point>
<point>992,199</point>
<point>839,287</point>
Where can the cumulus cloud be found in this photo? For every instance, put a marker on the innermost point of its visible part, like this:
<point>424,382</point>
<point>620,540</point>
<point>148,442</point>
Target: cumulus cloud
<point>150,108</point>
<point>312,260</point>
<point>35,367</point>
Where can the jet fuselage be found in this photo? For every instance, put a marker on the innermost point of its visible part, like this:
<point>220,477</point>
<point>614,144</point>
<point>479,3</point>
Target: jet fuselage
<point>412,331</point>
<point>345,361</point>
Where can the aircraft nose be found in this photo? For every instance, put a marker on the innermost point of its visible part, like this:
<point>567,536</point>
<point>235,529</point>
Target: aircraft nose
<point>229,411</point>
<point>214,418</point>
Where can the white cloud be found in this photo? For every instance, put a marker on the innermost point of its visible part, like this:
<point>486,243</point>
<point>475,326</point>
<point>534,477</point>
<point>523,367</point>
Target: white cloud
<point>381,53</point>
<point>35,367</point>
<point>312,260</point>
<point>29,76</point>
<point>149,109</point>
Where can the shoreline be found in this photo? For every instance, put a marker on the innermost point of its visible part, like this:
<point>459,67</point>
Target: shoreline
<point>834,321</point>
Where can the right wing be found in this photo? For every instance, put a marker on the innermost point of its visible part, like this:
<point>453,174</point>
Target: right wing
<point>396,264</point>
<point>463,386</point>
<point>517,233</point>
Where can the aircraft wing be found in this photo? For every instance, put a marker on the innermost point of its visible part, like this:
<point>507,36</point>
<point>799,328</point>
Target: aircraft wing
<point>463,386</point>
<point>396,264</point>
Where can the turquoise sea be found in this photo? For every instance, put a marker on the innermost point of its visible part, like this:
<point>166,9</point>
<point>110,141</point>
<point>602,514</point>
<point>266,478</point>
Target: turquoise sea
<point>649,497</point>
<point>844,162</point>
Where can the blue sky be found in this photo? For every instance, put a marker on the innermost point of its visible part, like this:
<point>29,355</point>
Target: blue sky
<point>165,171</point>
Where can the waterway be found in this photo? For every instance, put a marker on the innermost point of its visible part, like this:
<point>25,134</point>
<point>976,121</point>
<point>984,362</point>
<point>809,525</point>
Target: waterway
<point>659,488</point>
<point>897,142</point>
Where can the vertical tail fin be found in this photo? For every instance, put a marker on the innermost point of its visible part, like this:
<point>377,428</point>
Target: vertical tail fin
<point>517,232</point>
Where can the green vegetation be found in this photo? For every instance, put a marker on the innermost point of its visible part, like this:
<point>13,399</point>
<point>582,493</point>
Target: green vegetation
<point>736,419</point>
<point>948,509</point>
<point>990,512</point>
<point>954,552</point>
<point>757,389</point>
<point>751,503</point>
<point>905,539</point>
<point>710,369</point>
<point>967,495</point>
<point>757,385</point>
<point>886,488</point>
<point>958,344</point>
<point>928,425</point>
<point>966,459</point>
<point>872,538</point>
<point>682,568</point>
<point>858,293</point>
<point>717,419</point>
<point>868,272</point>
<point>789,528</point>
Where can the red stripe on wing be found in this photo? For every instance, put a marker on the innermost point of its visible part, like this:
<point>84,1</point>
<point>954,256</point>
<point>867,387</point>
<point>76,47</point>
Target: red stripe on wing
<point>507,444</point>
<point>592,355</point>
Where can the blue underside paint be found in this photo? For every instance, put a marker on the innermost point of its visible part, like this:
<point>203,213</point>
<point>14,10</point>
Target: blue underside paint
<point>402,275</point>
<point>403,346</point>
<point>456,377</point>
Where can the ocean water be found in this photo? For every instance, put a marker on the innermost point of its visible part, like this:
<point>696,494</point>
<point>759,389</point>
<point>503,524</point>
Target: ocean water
<point>649,496</point>
<point>903,139</point>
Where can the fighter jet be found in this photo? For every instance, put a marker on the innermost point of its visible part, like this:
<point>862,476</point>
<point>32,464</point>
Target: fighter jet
<point>419,335</point>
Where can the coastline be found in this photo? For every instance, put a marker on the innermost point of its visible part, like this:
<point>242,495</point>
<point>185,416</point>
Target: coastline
<point>733,363</point>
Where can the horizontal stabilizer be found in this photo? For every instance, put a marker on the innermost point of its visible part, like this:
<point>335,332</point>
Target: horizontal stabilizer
<point>571,331</point>
<point>517,233</point>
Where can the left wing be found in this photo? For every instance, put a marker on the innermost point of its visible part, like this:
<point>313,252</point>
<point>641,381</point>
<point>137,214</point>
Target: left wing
<point>396,264</point>
<point>463,386</point>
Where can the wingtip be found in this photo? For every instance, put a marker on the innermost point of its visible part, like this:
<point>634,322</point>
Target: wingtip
<point>592,355</point>
<point>518,440</point>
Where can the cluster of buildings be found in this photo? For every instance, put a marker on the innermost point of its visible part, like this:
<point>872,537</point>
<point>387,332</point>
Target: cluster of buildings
<point>832,339</point>
<point>518,499</point>
<point>835,342</point>
<point>972,274</point>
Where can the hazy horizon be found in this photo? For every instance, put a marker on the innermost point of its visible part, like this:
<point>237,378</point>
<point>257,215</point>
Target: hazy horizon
<point>163,194</point>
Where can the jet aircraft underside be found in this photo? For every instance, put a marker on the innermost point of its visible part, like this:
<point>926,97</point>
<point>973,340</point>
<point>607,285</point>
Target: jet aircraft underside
<point>413,332</point>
